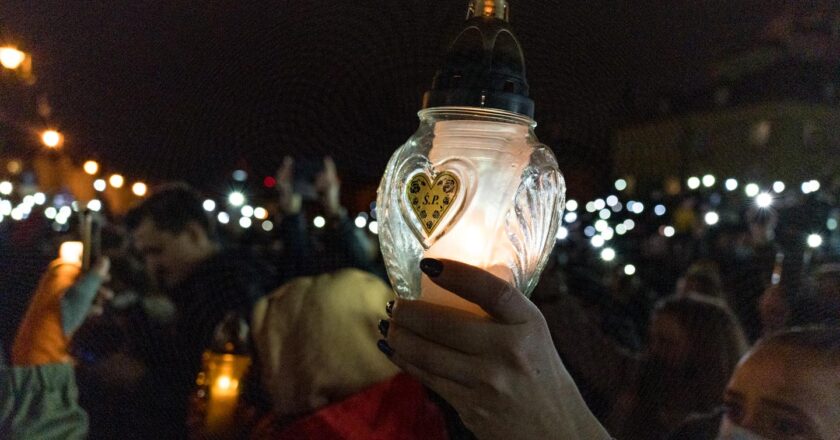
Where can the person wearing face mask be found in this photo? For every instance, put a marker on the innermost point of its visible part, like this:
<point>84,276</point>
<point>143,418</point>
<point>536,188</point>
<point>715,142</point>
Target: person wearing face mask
<point>786,388</point>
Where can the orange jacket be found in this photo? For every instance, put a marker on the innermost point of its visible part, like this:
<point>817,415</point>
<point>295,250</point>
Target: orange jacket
<point>40,338</point>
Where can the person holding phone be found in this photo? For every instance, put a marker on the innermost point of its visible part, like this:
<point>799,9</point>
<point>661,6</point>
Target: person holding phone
<point>38,392</point>
<point>60,305</point>
<point>304,187</point>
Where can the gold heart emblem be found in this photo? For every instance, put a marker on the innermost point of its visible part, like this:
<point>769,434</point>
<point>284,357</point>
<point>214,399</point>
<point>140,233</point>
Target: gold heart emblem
<point>429,200</point>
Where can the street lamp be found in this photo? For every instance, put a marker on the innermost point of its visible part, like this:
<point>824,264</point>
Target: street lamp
<point>473,183</point>
<point>139,189</point>
<point>52,139</point>
<point>116,180</point>
<point>11,58</point>
<point>91,167</point>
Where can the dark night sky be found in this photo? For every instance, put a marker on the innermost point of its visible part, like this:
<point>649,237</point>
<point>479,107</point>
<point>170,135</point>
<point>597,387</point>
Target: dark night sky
<point>190,90</point>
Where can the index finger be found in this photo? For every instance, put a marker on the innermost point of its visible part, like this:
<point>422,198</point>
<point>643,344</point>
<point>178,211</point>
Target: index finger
<point>457,329</point>
<point>496,296</point>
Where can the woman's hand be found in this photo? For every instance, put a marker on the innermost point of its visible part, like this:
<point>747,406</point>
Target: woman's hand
<point>502,373</point>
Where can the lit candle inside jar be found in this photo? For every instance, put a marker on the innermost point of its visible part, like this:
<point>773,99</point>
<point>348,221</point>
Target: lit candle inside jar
<point>473,183</point>
<point>223,374</point>
<point>489,181</point>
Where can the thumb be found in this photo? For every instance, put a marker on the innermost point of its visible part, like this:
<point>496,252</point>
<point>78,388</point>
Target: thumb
<point>497,297</point>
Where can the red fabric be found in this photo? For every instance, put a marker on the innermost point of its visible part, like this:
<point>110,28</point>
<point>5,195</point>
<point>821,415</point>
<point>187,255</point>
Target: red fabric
<point>395,409</point>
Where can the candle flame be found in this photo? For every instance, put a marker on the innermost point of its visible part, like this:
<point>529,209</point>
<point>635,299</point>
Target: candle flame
<point>225,383</point>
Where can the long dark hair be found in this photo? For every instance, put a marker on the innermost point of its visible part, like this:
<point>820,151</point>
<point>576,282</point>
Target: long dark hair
<point>716,342</point>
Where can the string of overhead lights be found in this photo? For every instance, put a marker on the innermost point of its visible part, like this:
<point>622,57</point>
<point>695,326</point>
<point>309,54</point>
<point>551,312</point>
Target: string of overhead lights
<point>20,62</point>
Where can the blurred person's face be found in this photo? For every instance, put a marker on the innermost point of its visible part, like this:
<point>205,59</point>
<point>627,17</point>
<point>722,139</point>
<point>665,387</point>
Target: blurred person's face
<point>668,341</point>
<point>171,256</point>
<point>783,393</point>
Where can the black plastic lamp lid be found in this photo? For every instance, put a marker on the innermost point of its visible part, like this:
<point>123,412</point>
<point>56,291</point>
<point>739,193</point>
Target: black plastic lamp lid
<point>484,66</point>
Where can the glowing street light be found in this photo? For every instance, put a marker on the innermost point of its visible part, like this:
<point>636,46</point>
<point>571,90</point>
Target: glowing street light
<point>139,189</point>
<point>562,233</point>
<point>209,205</point>
<point>11,58</point>
<point>91,167</point>
<point>52,139</point>
<point>778,186</point>
<point>319,222</point>
<point>708,180</point>
<point>116,180</point>
<point>608,254</point>
<point>6,187</point>
<point>100,185</point>
<point>629,270</point>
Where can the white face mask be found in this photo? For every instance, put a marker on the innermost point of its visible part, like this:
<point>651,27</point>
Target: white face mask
<point>731,431</point>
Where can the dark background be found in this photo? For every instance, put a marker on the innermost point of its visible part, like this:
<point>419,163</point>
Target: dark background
<point>192,90</point>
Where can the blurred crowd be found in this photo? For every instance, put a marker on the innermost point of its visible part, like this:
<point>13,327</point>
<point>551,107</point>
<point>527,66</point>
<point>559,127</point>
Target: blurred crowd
<point>651,331</point>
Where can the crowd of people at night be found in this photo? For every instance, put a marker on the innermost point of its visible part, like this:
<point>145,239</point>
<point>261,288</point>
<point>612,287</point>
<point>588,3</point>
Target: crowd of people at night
<point>701,313</point>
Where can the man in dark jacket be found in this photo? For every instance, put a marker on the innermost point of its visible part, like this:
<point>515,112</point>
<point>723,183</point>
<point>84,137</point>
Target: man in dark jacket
<point>206,282</point>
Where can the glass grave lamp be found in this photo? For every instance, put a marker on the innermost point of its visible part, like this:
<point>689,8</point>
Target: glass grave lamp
<point>473,184</point>
<point>215,403</point>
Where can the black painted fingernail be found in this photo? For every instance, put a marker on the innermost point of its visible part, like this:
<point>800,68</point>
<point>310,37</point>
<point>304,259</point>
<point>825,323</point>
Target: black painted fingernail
<point>431,267</point>
<point>385,348</point>
<point>389,307</point>
<point>384,324</point>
